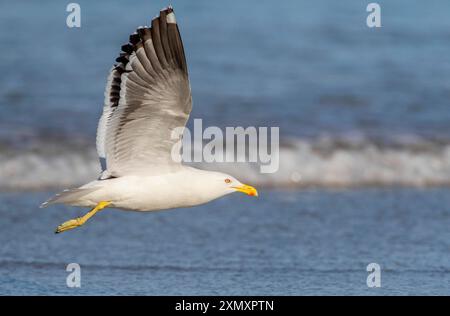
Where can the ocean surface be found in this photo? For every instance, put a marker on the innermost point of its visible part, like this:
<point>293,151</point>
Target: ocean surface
<point>364,118</point>
<point>309,242</point>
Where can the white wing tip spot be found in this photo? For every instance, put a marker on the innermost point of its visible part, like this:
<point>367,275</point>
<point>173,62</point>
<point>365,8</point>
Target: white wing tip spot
<point>171,18</point>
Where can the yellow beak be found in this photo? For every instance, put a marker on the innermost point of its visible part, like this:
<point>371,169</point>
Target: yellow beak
<point>247,189</point>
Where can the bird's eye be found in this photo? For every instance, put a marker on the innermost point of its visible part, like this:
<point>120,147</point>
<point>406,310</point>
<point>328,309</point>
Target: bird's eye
<point>227,180</point>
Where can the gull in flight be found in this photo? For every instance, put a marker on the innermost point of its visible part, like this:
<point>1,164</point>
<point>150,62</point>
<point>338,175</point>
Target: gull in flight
<point>147,96</point>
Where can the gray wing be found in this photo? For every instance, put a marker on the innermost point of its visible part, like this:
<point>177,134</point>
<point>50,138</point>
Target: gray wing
<point>147,96</point>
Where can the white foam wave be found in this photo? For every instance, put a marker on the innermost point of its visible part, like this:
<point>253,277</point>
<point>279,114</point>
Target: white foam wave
<point>302,163</point>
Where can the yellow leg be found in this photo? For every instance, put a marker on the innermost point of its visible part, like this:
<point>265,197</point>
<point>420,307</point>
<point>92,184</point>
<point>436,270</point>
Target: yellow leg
<point>73,223</point>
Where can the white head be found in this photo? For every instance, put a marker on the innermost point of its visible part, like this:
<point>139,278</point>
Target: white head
<point>231,184</point>
<point>217,184</point>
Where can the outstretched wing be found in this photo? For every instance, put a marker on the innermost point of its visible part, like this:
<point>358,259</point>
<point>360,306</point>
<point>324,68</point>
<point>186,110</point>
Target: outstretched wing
<point>147,96</point>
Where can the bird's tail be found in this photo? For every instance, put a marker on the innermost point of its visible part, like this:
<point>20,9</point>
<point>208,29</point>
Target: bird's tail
<point>70,196</point>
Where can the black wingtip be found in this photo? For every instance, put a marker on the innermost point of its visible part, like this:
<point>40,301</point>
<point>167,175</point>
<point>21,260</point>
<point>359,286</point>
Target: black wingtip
<point>122,59</point>
<point>144,33</point>
<point>127,48</point>
<point>134,38</point>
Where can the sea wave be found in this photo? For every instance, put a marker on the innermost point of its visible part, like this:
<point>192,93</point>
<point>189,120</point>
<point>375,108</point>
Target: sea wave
<point>303,163</point>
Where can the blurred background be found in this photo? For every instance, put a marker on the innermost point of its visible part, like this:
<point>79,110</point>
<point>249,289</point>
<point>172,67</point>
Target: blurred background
<point>364,123</point>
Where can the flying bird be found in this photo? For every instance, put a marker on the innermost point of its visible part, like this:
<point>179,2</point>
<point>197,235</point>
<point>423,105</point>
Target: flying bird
<point>147,96</point>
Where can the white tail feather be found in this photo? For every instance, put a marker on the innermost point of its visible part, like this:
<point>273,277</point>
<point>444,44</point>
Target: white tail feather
<point>70,196</point>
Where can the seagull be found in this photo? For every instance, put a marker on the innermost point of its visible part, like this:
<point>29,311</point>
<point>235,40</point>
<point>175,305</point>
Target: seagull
<point>147,96</point>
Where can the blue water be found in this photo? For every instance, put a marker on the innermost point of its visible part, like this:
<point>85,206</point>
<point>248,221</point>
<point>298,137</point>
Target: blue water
<point>356,107</point>
<point>310,68</point>
<point>283,243</point>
